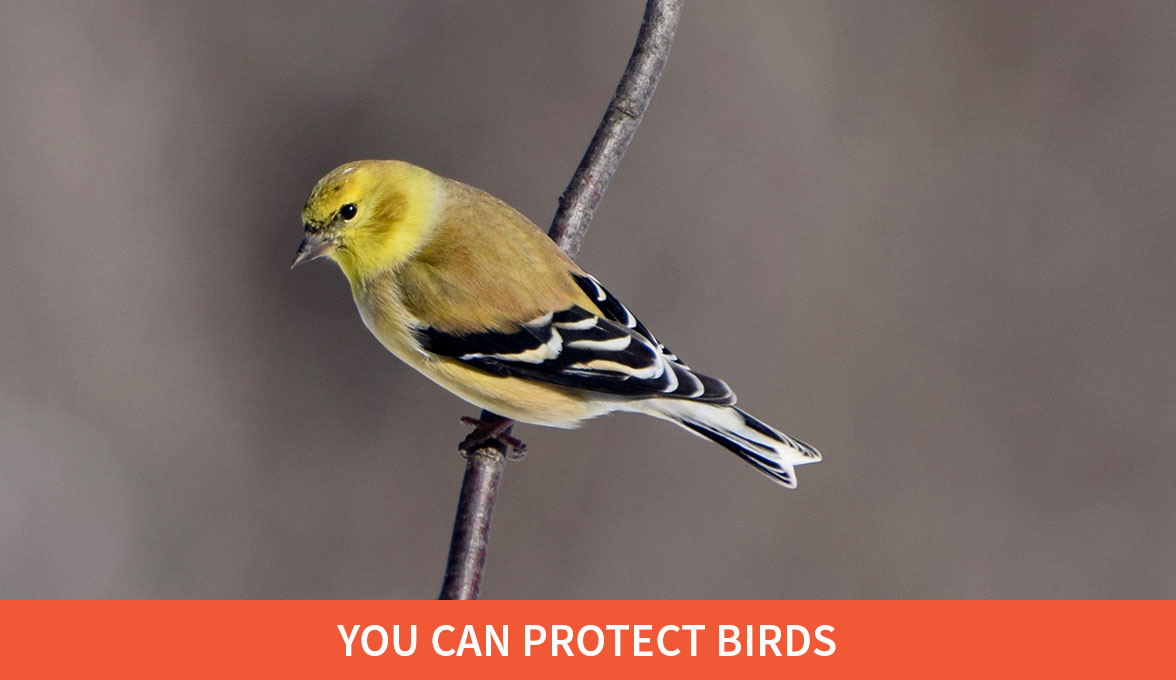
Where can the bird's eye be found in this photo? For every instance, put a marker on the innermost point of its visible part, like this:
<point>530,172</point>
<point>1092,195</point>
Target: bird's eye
<point>347,211</point>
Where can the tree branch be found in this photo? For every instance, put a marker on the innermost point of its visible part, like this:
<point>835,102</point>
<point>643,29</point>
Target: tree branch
<point>577,205</point>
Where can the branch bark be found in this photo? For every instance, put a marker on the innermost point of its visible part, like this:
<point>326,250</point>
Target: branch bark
<point>577,205</point>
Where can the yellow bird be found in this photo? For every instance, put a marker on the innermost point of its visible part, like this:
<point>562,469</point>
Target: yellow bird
<point>472,294</point>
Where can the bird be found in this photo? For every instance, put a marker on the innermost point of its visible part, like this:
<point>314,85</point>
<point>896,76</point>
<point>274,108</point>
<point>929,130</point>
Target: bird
<point>469,292</point>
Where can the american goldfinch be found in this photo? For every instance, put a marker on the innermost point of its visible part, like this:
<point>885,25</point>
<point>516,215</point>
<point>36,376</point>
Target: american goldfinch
<point>472,294</point>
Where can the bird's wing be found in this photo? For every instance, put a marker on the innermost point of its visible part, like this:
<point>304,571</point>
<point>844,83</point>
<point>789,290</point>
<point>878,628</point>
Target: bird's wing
<point>612,309</point>
<point>611,352</point>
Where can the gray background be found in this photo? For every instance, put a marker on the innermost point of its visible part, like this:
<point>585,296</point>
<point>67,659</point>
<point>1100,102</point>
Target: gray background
<point>933,239</point>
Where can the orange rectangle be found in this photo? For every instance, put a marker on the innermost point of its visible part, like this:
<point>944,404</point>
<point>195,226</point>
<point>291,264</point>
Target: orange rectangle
<point>584,639</point>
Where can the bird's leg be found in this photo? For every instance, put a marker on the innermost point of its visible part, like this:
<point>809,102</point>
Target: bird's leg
<point>490,430</point>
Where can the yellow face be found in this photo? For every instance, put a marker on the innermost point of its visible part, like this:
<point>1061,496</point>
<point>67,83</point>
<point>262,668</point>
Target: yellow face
<point>368,216</point>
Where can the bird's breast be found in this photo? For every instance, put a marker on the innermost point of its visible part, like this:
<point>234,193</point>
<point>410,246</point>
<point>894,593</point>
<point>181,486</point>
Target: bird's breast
<point>385,316</point>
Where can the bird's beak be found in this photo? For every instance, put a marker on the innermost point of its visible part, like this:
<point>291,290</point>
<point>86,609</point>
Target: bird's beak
<point>313,247</point>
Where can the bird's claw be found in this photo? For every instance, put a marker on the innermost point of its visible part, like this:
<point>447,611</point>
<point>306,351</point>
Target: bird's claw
<point>492,430</point>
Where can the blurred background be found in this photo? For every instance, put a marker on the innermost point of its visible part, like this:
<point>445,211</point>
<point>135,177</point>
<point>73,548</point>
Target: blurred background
<point>933,239</point>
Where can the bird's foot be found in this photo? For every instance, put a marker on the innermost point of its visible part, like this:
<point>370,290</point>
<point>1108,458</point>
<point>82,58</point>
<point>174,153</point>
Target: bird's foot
<point>495,429</point>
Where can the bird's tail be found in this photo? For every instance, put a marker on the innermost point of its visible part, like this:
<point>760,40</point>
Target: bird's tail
<point>771,451</point>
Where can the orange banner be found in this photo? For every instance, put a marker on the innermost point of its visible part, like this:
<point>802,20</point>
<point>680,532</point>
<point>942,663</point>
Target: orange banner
<point>584,639</point>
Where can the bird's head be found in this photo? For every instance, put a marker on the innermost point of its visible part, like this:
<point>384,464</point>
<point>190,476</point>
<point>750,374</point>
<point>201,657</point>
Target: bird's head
<point>369,216</point>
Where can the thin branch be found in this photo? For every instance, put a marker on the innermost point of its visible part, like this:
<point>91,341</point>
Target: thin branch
<point>577,205</point>
<point>471,527</point>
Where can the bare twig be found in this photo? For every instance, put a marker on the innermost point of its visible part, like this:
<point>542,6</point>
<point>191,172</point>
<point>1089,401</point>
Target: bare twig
<point>471,527</point>
<point>577,205</point>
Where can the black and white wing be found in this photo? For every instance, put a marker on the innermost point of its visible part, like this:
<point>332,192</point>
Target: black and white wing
<point>573,347</point>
